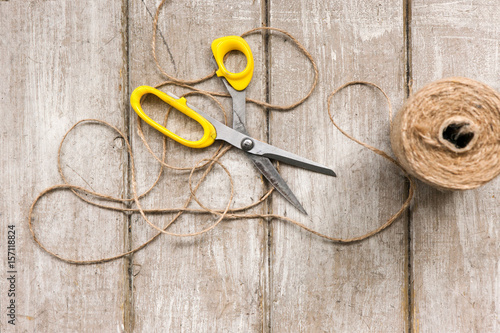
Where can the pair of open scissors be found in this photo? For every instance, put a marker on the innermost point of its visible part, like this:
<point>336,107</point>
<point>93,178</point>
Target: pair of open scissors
<point>236,83</point>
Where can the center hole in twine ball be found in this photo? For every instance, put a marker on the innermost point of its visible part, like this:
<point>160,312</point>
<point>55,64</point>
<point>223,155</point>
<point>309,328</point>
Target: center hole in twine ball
<point>458,134</point>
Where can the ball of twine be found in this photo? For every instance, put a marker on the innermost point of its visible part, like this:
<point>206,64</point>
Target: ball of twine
<point>448,134</point>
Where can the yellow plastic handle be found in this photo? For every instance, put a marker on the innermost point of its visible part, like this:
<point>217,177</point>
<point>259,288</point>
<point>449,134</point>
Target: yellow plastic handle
<point>209,133</point>
<point>223,45</point>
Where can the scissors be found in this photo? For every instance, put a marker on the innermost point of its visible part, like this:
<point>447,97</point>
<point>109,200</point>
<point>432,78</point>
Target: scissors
<point>259,152</point>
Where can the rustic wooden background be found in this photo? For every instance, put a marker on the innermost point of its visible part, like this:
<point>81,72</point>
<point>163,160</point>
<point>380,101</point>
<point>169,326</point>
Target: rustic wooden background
<point>437,269</point>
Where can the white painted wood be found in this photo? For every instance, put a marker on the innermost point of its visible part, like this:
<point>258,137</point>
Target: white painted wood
<point>455,236</point>
<point>215,282</point>
<point>65,61</point>
<point>318,286</point>
<point>61,62</point>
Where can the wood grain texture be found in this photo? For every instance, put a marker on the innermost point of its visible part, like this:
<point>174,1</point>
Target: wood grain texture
<point>61,62</point>
<point>64,61</point>
<point>318,286</point>
<point>215,282</point>
<point>455,236</point>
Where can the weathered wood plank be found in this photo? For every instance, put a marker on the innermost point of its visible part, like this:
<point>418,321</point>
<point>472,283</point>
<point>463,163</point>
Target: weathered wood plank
<point>213,282</point>
<point>456,236</point>
<point>61,62</point>
<point>316,285</point>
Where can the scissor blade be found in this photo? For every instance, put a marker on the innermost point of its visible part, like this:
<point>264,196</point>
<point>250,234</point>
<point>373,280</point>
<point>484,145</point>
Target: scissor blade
<point>273,152</point>
<point>263,164</point>
<point>235,138</point>
<point>267,169</point>
<point>239,107</point>
<point>266,150</point>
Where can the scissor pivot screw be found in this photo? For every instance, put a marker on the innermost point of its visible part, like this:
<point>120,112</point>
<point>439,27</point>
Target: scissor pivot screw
<point>247,144</point>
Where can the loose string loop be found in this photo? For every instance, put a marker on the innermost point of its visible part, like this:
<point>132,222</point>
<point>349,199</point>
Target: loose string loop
<point>188,83</point>
<point>205,164</point>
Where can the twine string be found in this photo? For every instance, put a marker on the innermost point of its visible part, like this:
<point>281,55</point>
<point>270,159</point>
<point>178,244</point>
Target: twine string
<point>205,165</point>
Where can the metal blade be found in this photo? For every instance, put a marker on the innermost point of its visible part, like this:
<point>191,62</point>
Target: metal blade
<point>239,107</point>
<point>239,104</point>
<point>235,138</point>
<point>266,150</point>
<point>263,164</point>
<point>267,169</point>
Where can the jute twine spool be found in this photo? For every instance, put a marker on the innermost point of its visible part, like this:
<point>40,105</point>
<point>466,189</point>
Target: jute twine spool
<point>448,134</point>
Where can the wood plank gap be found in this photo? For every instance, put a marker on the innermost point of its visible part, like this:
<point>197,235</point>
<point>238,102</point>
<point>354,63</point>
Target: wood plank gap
<point>128,309</point>
<point>407,38</point>
<point>408,91</point>
<point>267,327</point>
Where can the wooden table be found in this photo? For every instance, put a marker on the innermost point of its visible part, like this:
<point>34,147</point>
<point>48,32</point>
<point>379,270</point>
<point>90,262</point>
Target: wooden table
<point>437,269</point>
